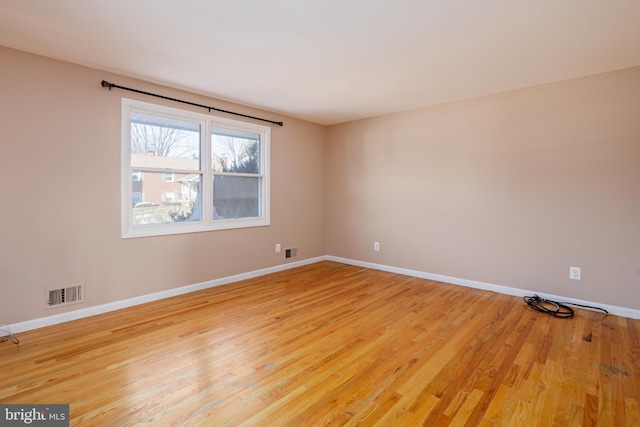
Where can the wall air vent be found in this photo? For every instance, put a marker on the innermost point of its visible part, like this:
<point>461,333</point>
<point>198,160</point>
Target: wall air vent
<point>72,294</point>
<point>290,253</point>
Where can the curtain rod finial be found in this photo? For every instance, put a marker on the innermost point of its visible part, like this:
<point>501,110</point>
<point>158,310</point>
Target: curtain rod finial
<point>106,84</point>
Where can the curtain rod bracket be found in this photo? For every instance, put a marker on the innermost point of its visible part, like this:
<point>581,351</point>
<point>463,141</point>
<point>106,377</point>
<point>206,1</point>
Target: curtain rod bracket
<point>106,84</point>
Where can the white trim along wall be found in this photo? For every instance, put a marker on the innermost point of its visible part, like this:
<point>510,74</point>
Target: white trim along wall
<point>104,308</point>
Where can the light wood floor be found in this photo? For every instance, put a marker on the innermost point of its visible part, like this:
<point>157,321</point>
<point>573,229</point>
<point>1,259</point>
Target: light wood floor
<point>331,344</point>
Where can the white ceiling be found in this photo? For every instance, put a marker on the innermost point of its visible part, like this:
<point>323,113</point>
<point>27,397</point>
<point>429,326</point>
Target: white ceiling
<point>331,61</point>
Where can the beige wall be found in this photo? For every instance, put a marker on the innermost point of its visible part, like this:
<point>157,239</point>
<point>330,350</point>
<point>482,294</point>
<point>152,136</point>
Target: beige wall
<point>510,189</point>
<point>60,212</point>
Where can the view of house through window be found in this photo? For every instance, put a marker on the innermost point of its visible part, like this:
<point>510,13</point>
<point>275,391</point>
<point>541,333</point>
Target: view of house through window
<point>157,144</point>
<point>186,175</point>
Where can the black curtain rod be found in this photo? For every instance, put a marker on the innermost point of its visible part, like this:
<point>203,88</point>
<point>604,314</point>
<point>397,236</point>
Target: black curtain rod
<point>112,85</point>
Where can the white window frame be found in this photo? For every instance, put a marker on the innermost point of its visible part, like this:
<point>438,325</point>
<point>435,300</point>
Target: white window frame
<point>207,222</point>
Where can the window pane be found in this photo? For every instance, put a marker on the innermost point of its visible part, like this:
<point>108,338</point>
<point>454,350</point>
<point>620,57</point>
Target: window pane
<point>235,151</point>
<point>162,142</point>
<point>166,201</point>
<point>236,197</point>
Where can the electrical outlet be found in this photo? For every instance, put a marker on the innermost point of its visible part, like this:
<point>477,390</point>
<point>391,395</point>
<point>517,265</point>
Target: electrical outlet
<point>278,248</point>
<point>575,273</point>
<point>376,246</point>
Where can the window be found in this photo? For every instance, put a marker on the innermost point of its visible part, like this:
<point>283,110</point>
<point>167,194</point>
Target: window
<point>186,172</point>
<point>235,160</point>
<point>169,197</point>
<point>137,197</point>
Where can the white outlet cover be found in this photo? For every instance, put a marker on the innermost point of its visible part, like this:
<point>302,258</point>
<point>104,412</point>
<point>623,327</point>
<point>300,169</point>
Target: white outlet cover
<point>575,273</point>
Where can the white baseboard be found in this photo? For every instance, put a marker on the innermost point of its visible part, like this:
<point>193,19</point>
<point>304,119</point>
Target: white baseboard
<point>612,309</point>
<point>130,302</point>
<point>117,305</point>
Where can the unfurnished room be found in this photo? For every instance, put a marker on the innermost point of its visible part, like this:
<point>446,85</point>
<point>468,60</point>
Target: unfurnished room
<point>320,213</point>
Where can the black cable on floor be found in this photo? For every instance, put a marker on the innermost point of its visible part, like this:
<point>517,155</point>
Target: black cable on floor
<point>556,309</point>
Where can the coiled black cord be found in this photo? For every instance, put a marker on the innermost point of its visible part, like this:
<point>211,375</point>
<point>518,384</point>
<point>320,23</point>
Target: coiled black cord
<point>556,309</point>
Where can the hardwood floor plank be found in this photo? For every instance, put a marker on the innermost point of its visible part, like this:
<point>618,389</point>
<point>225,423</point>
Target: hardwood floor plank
<point>466,410</point>
<point>330,344</point>
<point>632,410</point>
